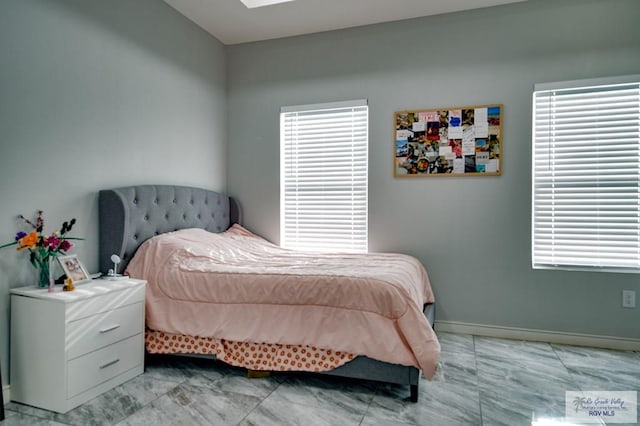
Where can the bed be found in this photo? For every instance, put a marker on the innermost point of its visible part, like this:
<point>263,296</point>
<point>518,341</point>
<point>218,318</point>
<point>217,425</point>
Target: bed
<point>131,217</point>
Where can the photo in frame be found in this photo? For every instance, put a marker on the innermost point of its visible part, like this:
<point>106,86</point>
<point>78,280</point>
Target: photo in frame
<point>73,268</point>
<point>459,141</point>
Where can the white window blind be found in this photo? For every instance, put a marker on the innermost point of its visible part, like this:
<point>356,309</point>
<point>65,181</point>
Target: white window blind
<point>586,175</point>
<point>323,176</point>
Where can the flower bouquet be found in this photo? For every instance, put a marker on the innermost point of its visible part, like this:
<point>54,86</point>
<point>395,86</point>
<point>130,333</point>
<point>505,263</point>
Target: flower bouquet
<point>43,248</point>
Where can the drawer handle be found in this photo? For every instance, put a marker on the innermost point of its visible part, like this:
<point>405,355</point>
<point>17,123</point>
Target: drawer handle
<point>113,327</point>
<point>110,363</point>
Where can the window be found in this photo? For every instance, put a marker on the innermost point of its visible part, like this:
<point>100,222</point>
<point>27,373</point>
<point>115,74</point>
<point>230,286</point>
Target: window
<point>323,176</point>
<point>586,175</point>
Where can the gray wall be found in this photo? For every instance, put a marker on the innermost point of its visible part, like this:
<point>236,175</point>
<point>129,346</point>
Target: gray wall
<point>472,233</point>
<point>96,94</point>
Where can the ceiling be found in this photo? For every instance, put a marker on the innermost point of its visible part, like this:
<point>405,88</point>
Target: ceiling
<point>232,22</point>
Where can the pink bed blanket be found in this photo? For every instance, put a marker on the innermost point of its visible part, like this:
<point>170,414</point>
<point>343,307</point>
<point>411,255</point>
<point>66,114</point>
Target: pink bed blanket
<point>237,286</point>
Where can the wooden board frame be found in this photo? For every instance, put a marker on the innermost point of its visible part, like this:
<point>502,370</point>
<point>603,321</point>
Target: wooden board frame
<point>458,141</point>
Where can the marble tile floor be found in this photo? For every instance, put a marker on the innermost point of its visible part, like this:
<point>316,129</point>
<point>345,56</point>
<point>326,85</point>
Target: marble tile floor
<point>481,381</point>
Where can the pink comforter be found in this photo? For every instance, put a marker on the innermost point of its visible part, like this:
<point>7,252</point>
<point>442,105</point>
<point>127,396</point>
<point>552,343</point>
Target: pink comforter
<point>237,286</point>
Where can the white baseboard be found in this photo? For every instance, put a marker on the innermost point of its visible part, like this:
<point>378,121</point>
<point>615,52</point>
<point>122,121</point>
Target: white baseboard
<point>6,394</point>
<point>577,339</point>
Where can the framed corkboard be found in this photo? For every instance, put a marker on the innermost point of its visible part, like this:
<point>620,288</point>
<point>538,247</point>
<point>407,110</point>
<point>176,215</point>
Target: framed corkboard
<point>459,141</point>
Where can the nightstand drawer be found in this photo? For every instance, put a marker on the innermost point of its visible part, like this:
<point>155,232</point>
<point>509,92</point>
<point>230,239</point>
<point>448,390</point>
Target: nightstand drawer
<point>105,296</point>
<point>95,332</point>
<point>97,367</point>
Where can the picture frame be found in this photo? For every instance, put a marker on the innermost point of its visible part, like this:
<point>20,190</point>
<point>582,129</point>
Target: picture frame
<point>74,269</point>
<point>453,141</point>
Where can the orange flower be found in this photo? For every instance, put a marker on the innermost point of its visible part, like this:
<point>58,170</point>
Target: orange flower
<point>28,241</point>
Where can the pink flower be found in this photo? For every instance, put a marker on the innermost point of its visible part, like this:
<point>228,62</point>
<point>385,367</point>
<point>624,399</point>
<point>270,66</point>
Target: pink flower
<point>65,246</point>
<point>51,242</point>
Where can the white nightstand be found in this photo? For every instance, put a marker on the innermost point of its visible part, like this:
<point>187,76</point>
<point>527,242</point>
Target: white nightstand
<point>69,347</point>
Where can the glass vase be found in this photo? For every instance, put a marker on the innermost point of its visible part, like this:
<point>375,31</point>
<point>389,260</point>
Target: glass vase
<point>45,272</point>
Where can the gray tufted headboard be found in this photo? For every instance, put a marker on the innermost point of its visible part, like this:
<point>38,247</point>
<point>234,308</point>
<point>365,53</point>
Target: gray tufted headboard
<point>129,216</point>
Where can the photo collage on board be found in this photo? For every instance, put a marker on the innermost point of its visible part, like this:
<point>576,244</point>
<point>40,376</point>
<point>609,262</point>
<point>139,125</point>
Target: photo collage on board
<point>449,141</point>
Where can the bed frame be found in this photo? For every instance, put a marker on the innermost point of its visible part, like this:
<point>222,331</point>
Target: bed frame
<point>130,215</point>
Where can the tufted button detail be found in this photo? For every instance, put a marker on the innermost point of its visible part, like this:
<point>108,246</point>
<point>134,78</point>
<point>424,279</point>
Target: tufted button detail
<point>198,216</point>
<point>166,216</point>
<point>156,201</point>
<point>175,201</point>
<point>135,237</point>
<point>206,201</point>
<point>156,233</point>
<point>184,217</point>
<point>146,218</point>
<point>213,215</point>
<point>135,201</point>
<point>191,201</point>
